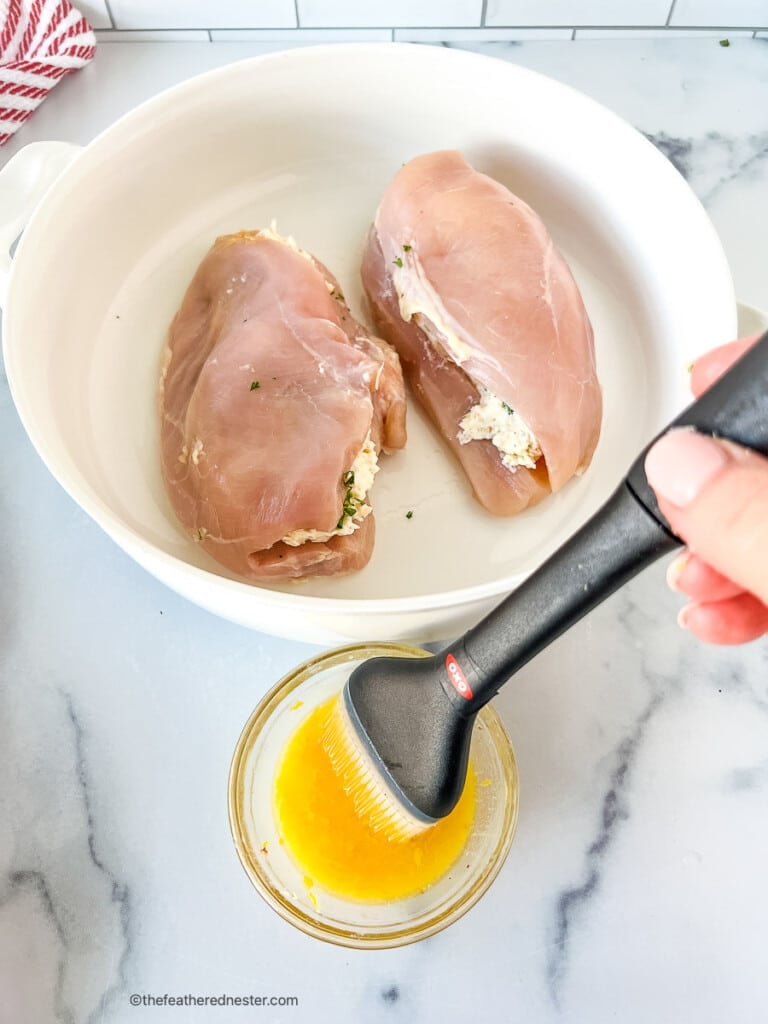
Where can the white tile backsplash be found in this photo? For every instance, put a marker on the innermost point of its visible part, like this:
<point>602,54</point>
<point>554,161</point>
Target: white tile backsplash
<point>95,11</point>
<point>478,35</point>
<point>394,13</point>
<point>746,13</point>
<point>577,12</point>
<point>140,14</point>
<point>427,21</point>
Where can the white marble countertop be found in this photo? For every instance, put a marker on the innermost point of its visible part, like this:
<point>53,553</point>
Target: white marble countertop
<point>635,887</point>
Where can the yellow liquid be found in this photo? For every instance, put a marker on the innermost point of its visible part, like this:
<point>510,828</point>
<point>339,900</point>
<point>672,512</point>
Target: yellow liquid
<point>339,851</point>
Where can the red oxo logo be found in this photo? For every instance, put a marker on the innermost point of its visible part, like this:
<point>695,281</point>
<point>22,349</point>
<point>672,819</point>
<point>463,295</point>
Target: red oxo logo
<point>457,677</point>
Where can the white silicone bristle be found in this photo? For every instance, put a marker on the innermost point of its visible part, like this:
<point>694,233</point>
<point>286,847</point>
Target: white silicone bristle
<point>364,781</point>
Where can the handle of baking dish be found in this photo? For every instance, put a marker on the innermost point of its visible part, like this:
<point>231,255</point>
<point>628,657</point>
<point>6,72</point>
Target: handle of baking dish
<point>751,320</point>
<point>23,182</point>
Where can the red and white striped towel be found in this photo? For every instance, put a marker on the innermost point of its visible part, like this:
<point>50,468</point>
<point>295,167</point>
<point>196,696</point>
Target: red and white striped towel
<point>40,42</point>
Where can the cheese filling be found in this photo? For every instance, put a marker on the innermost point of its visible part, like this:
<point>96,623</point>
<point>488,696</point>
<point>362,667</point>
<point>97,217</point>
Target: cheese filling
<point>417,298</point>
<point>272,233</point>
<point>491,419</point>
<point>358,481</point>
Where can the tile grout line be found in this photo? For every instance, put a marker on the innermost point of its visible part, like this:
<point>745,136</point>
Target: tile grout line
<point>159,31</point>
<point>633,28</point>
<point>671,12</point>
<point>451,28</point>
<point>109,14</point>
<point>483,13</point>
<point>296,10</point>
<point>639,29</point>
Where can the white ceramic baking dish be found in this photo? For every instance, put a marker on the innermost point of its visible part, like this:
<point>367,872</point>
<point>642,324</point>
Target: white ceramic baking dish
<point>310,138</point>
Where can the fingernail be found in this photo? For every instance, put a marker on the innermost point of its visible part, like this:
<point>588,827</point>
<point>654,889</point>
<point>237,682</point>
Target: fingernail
<point>676,570</point>
<point>684,615</point>
<point>682,463</point>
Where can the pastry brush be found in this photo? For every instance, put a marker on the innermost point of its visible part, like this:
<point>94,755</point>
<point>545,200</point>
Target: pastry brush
<point>399,735</point>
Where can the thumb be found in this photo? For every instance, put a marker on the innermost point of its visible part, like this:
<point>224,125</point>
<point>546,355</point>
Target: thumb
<point>714,495</point>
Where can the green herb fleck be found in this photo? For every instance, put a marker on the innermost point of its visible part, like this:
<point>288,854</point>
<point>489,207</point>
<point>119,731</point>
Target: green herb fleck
<point>255,384</point>
<point>725,42</point>
<point>508,408</point>
<point>690,367</point>
<point>338,296</point>
<point>398,262</point>
<point>409,514</point>
<point>407,248</point>
<point>347,512</point>
<point>351,504</point>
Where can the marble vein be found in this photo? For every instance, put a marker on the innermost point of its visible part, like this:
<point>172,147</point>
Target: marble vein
<point>713,161</point>
<point>676,150</point>
<point>390,995</point>
<point>120,894</point>
<point>572,902</point>
<point>718,669</point>
<point>33,884</point>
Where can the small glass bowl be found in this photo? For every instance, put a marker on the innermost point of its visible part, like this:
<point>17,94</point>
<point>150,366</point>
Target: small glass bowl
<point>280,881</point>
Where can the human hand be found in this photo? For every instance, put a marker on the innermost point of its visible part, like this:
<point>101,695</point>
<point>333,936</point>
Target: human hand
<point>714,494</point>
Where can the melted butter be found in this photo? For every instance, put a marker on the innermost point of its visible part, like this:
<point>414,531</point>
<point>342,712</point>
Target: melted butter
<point>337,850</point>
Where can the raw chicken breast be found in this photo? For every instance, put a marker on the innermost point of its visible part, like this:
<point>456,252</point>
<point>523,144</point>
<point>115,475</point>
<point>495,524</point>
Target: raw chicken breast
<point>465,281</point>
<point>275,403</point>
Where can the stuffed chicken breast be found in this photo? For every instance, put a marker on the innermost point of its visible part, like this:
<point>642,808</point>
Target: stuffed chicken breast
<point>465,281</point>
<point>275,404</point>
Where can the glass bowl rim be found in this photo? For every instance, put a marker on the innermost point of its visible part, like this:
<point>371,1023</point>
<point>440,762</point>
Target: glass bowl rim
<point>399,935</point>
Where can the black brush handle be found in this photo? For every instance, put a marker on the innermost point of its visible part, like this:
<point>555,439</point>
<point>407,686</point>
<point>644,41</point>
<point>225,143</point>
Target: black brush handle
<point>622,538</point>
